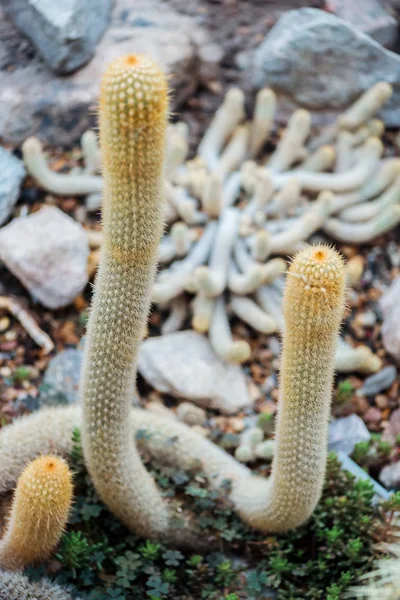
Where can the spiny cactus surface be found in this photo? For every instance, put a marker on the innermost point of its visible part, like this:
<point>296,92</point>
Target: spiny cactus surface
<point>15,586</point>
<point>133,120</point>
<point>39,512</point>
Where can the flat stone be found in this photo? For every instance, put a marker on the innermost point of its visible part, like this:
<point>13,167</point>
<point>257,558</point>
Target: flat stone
<point>183,364</point>
<point>368,16</point>
<point>48,252</point>
<point>392,431</point>
<point>12,172</point>
<point>34,101</point>
<point>65,33</point>
<point>390,476</point>
<point>390,307</point>
<point>346,432</point>
<point>323,63</point>
<point>378,382</point>
<point>61,381</point>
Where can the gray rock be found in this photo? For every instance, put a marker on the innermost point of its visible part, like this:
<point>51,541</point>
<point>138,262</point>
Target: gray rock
<point>370,17</point>
<point>322,62</point>
<point>390,307</point>
<point>346,432</point>
<point>34,101</point>
<point>61,381</point>
<point>390,476</point>
<point>47,251</point>
<point>12,172</point>
<point>191,414</point>
<point>65,33</point>
<point>183,364</point>
<point>378,382</point>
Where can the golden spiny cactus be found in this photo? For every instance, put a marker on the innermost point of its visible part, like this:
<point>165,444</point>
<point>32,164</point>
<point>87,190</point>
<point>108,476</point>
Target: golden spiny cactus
<point>39,512</point>
<point>133,120</point>
<point>313,309</point>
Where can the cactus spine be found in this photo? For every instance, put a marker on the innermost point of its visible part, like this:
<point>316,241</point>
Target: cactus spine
<point>133,120</point>
<point>39,512</point>
<point>14,586</point>
<point>313,309</point>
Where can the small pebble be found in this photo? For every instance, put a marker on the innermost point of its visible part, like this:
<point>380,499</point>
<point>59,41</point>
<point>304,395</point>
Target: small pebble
<point>393,428</point>
<point>252,436</point>
<point>373,415</point>
<point>265,449</point>
<point>366,319</point>
<point>160,409</point>
<point>201,430</point>
<point>381,401</point>
<point>236,424</point>
<point>244,453</point>
<point>390,476</point>
<point>274,345</point>
<point>268,385</point>
<point>354,271</point>
<point>191,414</point>
<point>5,371</point>
<point>378,382</point>
<point>10,336</point>
<point>4,324</point>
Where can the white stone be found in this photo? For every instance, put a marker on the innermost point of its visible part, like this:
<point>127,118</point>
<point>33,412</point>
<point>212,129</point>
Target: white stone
<point>47,251</point>
<point>183,364</point>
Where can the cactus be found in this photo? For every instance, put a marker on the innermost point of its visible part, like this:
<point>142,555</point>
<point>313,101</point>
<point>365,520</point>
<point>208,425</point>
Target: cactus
<point>313,309</point>
<point>39,512</point>
<point>313,306</point>
<point>133,121</point>
<point>383,582</point>
<point>14,586</point>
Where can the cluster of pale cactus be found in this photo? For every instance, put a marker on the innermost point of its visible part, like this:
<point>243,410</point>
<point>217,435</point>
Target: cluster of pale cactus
<point>133,126</point>
<point>228,214</point>
<point>383,582</point>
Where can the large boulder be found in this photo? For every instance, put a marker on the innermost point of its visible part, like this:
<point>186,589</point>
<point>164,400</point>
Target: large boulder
<point>47,251</point>
<point>59,109</point>
<point>321,62</point>
<point>65,33</point>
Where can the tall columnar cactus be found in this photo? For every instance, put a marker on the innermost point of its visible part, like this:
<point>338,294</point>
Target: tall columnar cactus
<point>133,120</point>
<point>39,512</point>
<point>313,309</point>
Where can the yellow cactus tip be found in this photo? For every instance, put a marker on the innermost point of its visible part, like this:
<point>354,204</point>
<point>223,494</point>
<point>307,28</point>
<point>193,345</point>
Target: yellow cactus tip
<point>51,469</point>
<point>134,89</point>
<point>321,269</point>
